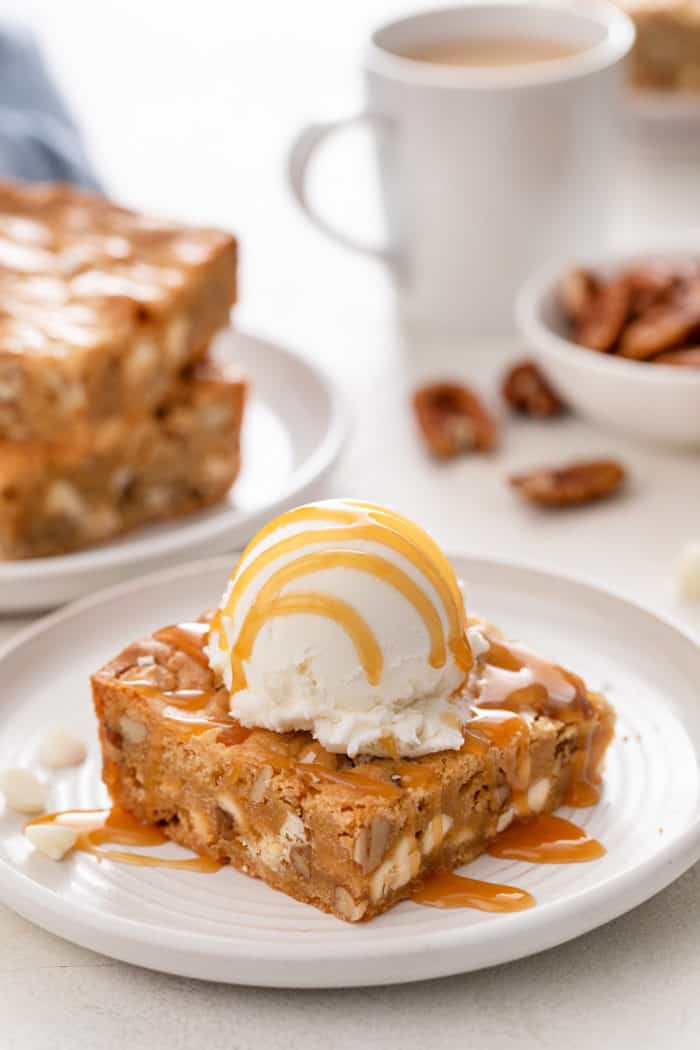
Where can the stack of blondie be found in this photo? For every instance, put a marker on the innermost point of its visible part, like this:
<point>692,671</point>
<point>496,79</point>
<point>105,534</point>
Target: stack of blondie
<point>112,411</point>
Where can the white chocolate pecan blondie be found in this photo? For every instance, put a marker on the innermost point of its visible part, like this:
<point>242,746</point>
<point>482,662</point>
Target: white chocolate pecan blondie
<point>349,836</point>
<point>100,308</point>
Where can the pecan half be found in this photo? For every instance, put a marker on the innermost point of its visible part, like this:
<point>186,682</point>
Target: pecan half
<point>660,328</point>
<point>577,290</point>
<point>572,484</point>
<point>688,356</point>
<point>529,391</point>
<point>453,419</point>
<point>650,283</point>
<point>600,326</point>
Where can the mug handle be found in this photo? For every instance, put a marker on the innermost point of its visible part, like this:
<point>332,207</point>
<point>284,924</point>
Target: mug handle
<point>304,146</point>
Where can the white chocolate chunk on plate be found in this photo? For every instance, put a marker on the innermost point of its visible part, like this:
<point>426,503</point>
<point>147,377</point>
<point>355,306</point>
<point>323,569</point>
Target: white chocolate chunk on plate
<point>52,840</point>
<point>688,571</point>
<point>23,791</point>
<point>59,748</point>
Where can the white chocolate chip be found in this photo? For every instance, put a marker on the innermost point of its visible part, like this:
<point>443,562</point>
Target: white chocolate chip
<point>435,832</point>
<point>402,865</point>
<point>60,748</point>
<point>133,732</point>
<point>257,792</point>
<point>231,806</point>
<point>293,828</point>
<point>688,571</point>
<point>537,795</point>
<point>23,791</point>
<point>505,819</point>
<point>53,840</point>
<point>64,499</point>
<point>347,907</point>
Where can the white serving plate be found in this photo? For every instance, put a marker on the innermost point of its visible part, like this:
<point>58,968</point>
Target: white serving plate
<point>294,427</point>
<point>230,928</point>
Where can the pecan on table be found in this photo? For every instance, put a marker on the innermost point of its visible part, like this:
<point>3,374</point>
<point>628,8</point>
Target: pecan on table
<point>572,484</point>
<point>453,419</point>
<point>529,391</point>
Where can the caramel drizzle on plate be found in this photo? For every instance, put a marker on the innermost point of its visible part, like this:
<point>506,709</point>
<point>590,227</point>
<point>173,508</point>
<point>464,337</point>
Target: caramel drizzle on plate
<point>352,520</point>
<point>445,890</point>
<point>545,839</point>
<point>99,828</point>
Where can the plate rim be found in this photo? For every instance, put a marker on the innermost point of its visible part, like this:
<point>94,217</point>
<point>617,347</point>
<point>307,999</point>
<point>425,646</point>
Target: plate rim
<point>193,533</point>
<point>531,931</point>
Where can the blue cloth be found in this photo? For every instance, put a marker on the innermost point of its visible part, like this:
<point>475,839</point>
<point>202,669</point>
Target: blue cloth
<point>39,141</point>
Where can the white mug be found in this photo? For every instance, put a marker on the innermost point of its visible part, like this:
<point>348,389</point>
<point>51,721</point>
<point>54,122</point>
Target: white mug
<point>485,171</point>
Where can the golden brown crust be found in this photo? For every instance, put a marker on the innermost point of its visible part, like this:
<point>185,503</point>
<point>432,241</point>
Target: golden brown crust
<point>100,308</point>
<point>351,838</point>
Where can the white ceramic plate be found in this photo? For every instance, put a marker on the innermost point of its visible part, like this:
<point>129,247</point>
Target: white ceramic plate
<point>294,428</point>
<point>227,927</point>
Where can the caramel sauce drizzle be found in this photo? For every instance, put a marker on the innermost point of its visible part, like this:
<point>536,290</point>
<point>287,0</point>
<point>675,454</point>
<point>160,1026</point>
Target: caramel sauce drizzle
<point>545,839</point>
<point>584,789</point>
<point>98,828</point>
<point>444,890</point>
<point>368,650</point>
<point>267,604</point>
<point>538,695</point>
<point>493,728</point>
<point>354,521</point>
<point>190,637</point>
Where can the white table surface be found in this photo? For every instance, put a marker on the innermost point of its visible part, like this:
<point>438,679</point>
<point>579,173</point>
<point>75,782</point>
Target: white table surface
<point>188,108</point>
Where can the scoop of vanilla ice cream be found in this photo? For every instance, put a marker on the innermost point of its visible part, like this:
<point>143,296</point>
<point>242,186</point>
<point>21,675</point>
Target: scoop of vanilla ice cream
<point>340,619</point>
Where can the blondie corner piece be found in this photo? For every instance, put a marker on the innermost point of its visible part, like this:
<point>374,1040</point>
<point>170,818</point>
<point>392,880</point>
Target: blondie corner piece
<point>101,308</point>
<point>120,474</point>
<point>350,838</point>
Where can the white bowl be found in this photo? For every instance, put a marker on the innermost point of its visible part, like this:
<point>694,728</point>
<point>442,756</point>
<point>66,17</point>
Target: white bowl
<point>654,402</point>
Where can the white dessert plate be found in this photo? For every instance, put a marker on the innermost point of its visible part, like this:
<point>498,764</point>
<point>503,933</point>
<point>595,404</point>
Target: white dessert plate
<point>231,928</point>
<point>294,427</point>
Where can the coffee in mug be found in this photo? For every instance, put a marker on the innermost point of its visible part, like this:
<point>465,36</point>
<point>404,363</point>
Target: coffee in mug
<point>493,51</point>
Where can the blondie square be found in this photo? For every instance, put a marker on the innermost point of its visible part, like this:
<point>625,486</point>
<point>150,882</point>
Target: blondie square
<point>349,837</point>
<point>101,308</point>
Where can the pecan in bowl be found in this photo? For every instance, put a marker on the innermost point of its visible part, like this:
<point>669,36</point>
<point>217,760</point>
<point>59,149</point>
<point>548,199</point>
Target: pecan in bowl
<point>651,311</point>
<point>649,307</point>
<point>453,419</point>
<point>572,484</point>
<point>528,391</point>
